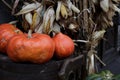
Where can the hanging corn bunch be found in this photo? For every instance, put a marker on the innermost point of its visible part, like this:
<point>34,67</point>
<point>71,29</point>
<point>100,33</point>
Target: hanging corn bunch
<point>85,21</point>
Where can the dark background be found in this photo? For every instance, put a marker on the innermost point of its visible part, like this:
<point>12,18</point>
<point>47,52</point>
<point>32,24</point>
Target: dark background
<point>5,13</point>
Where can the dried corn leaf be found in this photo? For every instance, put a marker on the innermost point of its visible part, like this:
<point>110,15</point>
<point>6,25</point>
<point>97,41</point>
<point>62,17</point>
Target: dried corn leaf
<point>39,29</point>
<point>15,5</point>
<point>63,11</point>
<point>28,17</point>
<point>58,11</point>
<point>95,1</point>
<point>72,7</point>
<point>29,8</point>
<point>48,20</point>
<point>104,4</point>
<point>115,8</point>
<point>40,10</point>
<point>34,20</point>
<point>97,35</point>
<point>56,27</point>
<point>73,27</point>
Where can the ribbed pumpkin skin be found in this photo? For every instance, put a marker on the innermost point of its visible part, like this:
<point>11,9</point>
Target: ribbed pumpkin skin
<point>6,32</point>
<point>38,49</point>
<point>64,45</point>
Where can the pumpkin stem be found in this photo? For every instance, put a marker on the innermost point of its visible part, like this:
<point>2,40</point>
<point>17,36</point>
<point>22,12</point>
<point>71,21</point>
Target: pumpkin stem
<point>29,34</point>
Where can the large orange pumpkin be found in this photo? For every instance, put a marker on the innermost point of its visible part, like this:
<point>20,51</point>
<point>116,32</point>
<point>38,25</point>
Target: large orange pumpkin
<point>37,49</point>
<point>64,46</point>
<point>6,32</point>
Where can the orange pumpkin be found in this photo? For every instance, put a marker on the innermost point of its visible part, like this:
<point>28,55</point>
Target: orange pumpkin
<point>64,46</point>
<point>37,49</point>
<point>6,32</point>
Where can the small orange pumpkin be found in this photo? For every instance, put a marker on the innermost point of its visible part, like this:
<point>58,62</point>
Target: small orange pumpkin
<point>6,32</point>
<point>64,46</point>
<point>36,49</point>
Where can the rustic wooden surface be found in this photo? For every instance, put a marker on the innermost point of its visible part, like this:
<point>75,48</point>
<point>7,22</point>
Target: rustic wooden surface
<point>114,65</point>
<point>111,56</point>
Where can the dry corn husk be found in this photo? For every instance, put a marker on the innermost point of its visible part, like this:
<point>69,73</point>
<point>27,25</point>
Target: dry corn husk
<point>15,5</point>
<point>39,10</point>
<point>72,7</point>
<point>116,1</point>
<point>56,27</point>
<point>75,9</point>
<point>58,10</point>
<point>115,8</point>
<point>48,20</point>
<point>95,1</point>
<point>104,4</point>
<point>104,18</point>
<point>98,35</point>
<point>73,27</point>
<point>63,11</point>
<point>34,21</point>
<point>28,17</point>
<point>91,63</point>
<point>39,29</point>
<point>29,8</point>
